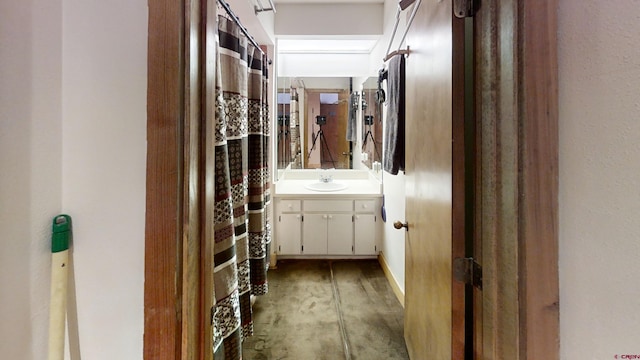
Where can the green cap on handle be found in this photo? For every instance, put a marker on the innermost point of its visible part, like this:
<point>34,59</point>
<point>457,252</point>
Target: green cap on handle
<point>61,233</point>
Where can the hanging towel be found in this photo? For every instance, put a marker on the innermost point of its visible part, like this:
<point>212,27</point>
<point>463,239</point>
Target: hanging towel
<point>352,121</point>
<point>395,125</point>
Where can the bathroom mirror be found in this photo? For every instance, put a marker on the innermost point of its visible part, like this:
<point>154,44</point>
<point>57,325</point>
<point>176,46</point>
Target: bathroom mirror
<point>312,118</point>
<point>371,122</point>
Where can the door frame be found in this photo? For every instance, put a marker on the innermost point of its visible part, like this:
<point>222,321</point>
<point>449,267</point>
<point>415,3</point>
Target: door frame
<point>178,217</point>
<point>517,180</point>
<point>517,176</point>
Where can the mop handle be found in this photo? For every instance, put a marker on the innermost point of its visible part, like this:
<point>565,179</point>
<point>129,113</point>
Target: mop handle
<point>59,263</point>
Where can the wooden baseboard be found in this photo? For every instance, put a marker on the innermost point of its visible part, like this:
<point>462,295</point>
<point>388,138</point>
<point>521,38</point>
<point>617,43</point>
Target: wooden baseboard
<point>397,289</point>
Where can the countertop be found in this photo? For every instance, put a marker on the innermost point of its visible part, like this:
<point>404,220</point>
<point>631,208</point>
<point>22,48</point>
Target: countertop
<point>355,188</point>
<point>359,184</point>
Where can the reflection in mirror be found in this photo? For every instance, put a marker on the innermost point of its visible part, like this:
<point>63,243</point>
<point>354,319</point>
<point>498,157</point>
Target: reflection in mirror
<point>314,114</point>
<point>283,128</point>
<point>288,145</point>
<point>327,114</point>
<point>295,146</point>
<point>371,122</point>
<point>318,112</point>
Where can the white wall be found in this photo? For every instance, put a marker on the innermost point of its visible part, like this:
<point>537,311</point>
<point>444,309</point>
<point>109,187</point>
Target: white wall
<point>104,151</point>
<point>72,139</point>
<point>328,19</point>
<point>393,243</point>
<point>260,26</point>
<point>30,170</point>
<point>599,73</point>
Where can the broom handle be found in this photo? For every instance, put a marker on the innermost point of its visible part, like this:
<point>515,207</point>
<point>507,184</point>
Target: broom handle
<point>59,278</point>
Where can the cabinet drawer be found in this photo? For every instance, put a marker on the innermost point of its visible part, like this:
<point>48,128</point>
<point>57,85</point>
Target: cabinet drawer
<point>365,206</point>
<point>328,205</point>
<point>289,206</point>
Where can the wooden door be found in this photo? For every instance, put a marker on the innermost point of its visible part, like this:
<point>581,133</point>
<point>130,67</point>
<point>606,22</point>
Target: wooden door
<point>515,316</point>
<point>429,182</point>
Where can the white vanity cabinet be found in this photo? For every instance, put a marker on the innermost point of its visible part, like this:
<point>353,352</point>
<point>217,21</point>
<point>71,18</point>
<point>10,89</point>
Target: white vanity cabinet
<point>327,227</point>
<point>365,226</point>
<point>289,227</point>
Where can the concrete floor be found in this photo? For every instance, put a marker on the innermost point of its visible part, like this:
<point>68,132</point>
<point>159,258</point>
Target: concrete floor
<point>333,310</point>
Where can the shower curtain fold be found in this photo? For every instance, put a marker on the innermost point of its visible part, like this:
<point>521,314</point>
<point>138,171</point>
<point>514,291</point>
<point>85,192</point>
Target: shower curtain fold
<point>259,238</point>
<point>241,228</point>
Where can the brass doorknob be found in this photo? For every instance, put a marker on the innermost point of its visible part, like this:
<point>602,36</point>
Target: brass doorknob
<point>399,225</point>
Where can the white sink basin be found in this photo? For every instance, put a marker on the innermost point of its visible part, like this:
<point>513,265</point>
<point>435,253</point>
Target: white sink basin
<point>326,186</point>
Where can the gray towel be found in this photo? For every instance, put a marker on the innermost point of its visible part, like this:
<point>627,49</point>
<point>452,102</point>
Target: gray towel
<point>395,124</point>
<point>352,121</point>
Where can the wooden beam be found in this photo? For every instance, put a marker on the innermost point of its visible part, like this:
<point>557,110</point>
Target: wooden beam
<point>193,309</point>
<point>518,222</point>
<point>163,286</point>
<point>538,103</point>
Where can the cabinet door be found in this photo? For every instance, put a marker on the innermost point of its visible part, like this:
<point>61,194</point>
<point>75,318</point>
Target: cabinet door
<point>365,234</point>
<point>340,234</point>
<point>314,233</point>
<point>289,234</point>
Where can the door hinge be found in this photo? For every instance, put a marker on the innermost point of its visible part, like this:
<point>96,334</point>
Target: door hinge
<point>465,8</point>
<point>468,271</point>
<point>279,218</point>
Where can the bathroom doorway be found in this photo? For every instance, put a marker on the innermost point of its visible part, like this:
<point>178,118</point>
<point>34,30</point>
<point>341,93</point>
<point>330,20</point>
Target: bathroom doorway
<point>523,164</point>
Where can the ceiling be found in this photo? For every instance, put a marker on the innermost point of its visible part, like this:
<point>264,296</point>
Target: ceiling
<point>325,45</point>
<point>314,26</point>
<point>328,26</point>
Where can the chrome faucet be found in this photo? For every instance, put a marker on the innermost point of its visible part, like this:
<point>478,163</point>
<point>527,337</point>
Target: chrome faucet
<point>326,179</point>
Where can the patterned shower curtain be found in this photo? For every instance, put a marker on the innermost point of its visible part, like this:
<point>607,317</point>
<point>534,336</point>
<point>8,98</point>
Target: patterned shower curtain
<point>242,232</point>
